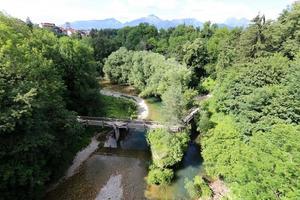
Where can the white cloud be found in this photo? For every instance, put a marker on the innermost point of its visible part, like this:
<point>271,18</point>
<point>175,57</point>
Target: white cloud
<point>60,11</point>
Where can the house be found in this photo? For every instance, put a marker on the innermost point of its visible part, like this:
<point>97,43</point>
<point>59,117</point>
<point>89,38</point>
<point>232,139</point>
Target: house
<point>47,25</point>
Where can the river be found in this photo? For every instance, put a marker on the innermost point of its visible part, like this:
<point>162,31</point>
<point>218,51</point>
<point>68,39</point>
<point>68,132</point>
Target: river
<point>119,173</point>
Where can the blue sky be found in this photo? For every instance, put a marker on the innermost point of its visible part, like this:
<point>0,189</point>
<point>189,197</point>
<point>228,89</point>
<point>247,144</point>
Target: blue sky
<point>60,11</point>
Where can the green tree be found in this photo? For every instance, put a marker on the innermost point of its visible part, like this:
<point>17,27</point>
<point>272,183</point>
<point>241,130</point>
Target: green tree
<point>38,134</point>
<point>167,149</point>
<point>253,39</point>
<point>198,188</point>
<point>196,57</point>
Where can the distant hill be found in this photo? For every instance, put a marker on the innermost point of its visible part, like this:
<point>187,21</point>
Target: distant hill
<point>233,22</point>
<point>97,24</point>
<point>153,20</point>
<point>159,23</point>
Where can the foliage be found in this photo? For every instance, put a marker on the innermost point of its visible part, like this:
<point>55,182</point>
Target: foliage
<point>198,188</point>
<point>119,108</point>
<point>118,65</point>
<point>251,124</point>
<point>137,38</point>
<point>209,84</point>
<point>253,41</point>
<point>167,148</point>
<point>104,42</point>
<point>196,56</point>
<point>79,72</point>
<point>205,124</point>
<point>153,75</point>
<point>39,133</point>
<point>159,176</point>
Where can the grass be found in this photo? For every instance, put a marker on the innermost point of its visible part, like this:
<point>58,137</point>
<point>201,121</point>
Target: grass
<point>154,104</point>
<point>118,108</point>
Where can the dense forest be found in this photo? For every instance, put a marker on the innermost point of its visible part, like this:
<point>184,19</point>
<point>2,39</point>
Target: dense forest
<point>249,128</point>
<point>44,82</point>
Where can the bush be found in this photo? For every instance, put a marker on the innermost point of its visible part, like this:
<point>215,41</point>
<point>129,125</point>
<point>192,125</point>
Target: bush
<point>198,188</point>
<point>167,149</point>
<point>160,176</point>
<point>204,123</point>
<point>209,84</point>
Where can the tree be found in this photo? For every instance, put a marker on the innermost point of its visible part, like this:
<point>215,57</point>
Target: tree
<point>284,33</point>
<point>37,131</point>
<point>198,188</point>
<point>167,149</point>
<point>117,66</point>
<point>79,74</point>
<point>180,36</point>
<point>29,23</point>
<point>104,42</point>
<point>160,176</point>
<point>253,40</point>
<point>196,57</point>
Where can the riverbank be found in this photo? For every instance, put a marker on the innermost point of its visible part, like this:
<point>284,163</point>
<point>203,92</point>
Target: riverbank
<point>120,172</point>
<point>79,159</point>
<point>110,173</point>
<point>143,110</point>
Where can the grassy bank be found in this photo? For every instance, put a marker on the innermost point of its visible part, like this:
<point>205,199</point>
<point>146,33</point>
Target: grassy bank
<point>118,108</point>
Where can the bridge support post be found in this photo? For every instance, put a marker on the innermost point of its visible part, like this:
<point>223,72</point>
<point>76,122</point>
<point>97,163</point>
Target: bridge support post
<point>117,132</point>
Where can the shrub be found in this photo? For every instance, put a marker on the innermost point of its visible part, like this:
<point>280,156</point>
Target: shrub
<point>198,188</point>
<point>167,149</point>
<point>160,176</point>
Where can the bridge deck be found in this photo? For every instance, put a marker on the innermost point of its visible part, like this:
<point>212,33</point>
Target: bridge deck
<point>127,123</point>
<point>120,123</point>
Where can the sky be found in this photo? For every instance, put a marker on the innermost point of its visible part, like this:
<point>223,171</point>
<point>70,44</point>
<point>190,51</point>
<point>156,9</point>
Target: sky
<point>61,11</point>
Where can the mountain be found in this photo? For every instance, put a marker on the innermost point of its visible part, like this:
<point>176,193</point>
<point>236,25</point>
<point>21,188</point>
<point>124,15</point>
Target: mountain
<point>115,24</point>
<point>165,24</point>
<point>234,22</point>
<point>153,20</point>
<point>97,24</point>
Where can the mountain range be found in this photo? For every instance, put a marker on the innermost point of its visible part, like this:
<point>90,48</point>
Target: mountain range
<point>153,20</point>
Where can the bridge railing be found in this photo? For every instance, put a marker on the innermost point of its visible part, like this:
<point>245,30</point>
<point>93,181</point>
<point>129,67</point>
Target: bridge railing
<point>107,119</point>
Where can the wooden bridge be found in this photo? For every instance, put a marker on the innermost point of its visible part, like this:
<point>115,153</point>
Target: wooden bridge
<point>127,124</point>
<point>119,123</point>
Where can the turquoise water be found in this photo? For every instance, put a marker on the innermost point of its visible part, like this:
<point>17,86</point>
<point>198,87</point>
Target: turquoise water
<point>190,166</point>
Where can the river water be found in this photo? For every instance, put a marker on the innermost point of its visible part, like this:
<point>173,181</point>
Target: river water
<point>119,173</point>
<point>109,173</point>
